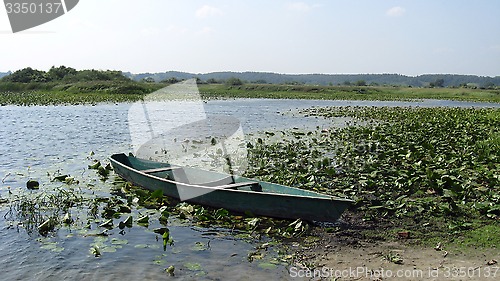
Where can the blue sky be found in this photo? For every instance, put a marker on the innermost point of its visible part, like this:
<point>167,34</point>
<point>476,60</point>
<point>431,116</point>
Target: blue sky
<point>324,36</point>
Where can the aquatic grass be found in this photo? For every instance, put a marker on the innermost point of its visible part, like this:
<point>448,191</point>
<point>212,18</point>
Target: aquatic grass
<point>64,202</point>
<point>113,92</point>
<point>102,211</point>
<point>31,98</point>
<point>80,92</point>
<point>44,210</point>
<point>346,92</point>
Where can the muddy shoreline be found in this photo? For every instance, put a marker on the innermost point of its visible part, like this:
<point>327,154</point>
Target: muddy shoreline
<point>352,252</point>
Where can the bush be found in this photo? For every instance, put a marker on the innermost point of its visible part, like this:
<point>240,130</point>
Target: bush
<point>233,81</point>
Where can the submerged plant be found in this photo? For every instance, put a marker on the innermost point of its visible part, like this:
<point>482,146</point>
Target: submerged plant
<point>45,210</point>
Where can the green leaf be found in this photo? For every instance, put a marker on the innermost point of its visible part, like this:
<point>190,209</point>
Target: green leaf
<point>157,194</point>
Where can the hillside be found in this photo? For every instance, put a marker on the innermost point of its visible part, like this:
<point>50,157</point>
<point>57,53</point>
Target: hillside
<point>443,80</point>
<point>64,75</point>
<point>67,79</point>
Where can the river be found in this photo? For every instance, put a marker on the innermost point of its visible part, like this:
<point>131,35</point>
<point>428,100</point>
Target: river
<point>40,141</point>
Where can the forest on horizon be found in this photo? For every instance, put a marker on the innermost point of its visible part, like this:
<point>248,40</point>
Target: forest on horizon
<point>71,75</point>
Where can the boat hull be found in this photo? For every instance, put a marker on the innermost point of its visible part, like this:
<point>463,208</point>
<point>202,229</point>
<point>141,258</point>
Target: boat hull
<point>273,200</point>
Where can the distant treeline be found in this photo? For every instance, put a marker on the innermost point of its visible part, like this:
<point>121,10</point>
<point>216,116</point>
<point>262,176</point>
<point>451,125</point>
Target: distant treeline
<point>62,74</point>
<point>428,80</point>
<point>67,75</point>
<point>68,79</point>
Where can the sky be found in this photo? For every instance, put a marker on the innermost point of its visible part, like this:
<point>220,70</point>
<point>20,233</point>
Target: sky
<point>325,36</point>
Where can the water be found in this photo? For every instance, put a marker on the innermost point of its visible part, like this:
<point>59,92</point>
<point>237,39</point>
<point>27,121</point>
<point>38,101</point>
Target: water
<point>38,140</point>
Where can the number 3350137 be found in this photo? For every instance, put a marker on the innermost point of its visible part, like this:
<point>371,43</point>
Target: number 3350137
<point>33,8</point>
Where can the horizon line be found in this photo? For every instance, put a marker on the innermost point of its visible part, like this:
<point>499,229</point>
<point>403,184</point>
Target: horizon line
<point>270,72</point>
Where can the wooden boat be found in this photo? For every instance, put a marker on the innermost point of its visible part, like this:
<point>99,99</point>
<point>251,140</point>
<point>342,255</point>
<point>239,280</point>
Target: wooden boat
<point>233,193</point>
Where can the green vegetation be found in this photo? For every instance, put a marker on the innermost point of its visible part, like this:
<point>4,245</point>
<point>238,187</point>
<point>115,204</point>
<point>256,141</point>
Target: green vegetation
<point>346,92</point>
<point>61,97</point>
<point>433,171</point>
<point>426,80</point>
<point>64,85</point>
<point>62,74</point>
<point>71,205</point>
<point>486,236</point>
<point>234,82</point>
<point>429,172</point>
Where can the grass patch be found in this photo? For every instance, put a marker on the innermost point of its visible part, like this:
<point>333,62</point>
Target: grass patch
<point>486,236</point>
<point>91,92</point>
<point>346,92</point>
<point>62,98</point>
<point>27,94</point>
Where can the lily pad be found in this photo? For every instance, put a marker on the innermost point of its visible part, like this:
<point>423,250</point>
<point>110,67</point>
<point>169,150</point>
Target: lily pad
<point>268,266</point>
<point>52,246</point>
<point>116,241</point>
<point>143,219</point>
<point>199,246</point>
<point>146,246</point>
<point>109,249</point>
<point>193,266</point>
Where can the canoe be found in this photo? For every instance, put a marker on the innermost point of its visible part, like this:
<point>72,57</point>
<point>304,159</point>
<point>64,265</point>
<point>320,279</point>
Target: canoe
<point>234,193</point>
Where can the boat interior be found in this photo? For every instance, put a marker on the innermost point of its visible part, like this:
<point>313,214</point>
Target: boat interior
<point>204,178</point>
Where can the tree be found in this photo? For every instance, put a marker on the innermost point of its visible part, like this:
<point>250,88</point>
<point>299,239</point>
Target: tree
<point>438,83</point>
<point>58,73</point>
<point>97,75</point>
<point>148,80</point>
<point>360,83</point>
<point>212,81</point>
<point>171,80</point>
<point>26,75</point>
<point>233,81</point>
<point>198,80</point>
<point>489,85</point>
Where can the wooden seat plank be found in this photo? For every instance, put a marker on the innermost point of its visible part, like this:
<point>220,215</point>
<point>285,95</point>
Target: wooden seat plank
<point>254,185</point>
<point>161,169</point>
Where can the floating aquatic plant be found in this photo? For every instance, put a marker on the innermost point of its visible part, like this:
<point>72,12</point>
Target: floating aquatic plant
<point>406,163</point>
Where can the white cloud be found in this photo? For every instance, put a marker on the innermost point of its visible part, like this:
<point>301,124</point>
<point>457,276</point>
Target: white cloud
<point>150,31</point>
<point>396,12</point>
<point>208,11</point>
<point>299,7</point>
<point>206,31</point>
<point>177,30</point>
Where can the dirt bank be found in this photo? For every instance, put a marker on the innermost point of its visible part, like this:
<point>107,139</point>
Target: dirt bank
<point>337,256</point>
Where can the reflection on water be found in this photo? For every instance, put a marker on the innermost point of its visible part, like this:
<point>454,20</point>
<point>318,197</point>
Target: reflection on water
<point>44,139</point>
